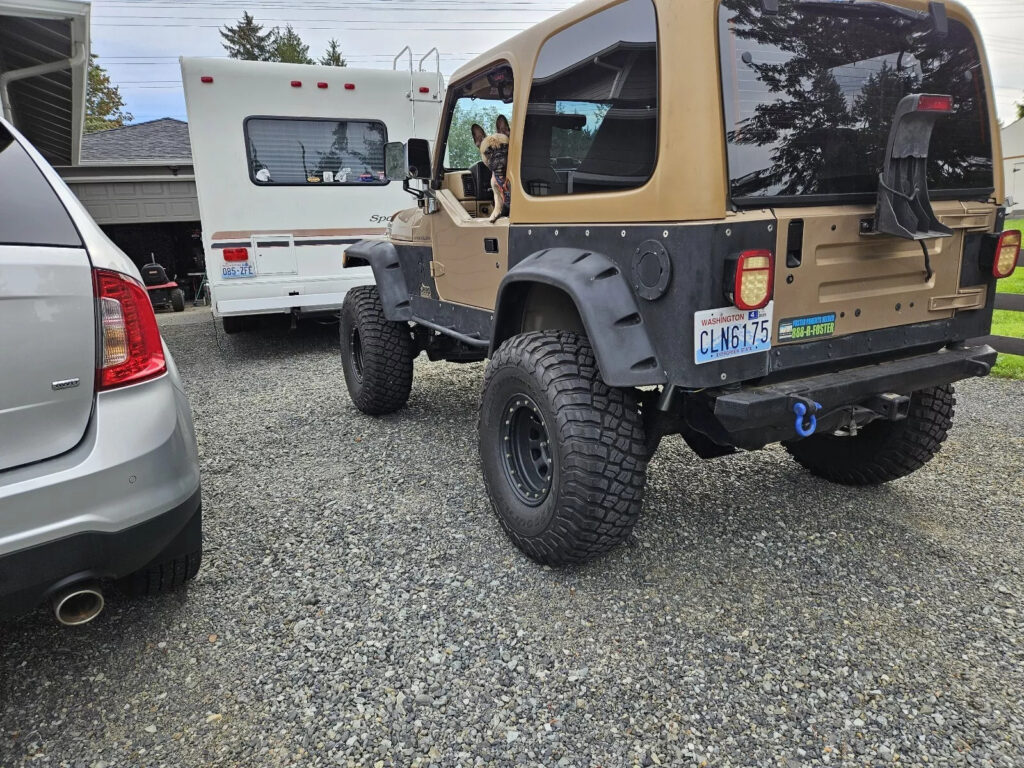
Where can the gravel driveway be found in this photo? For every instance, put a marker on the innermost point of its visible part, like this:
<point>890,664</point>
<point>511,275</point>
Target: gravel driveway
<point>359,605</point>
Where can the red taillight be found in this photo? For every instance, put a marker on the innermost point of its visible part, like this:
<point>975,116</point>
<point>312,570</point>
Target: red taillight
<point>131,350</point>
<point>321,84</point>
<point>752,287</point>
<point>350,86</point>
<point>1007,253</point>
<point>206,79</point>
<point>296,83</point>
<point>931,103</point>
<point>236,254</point>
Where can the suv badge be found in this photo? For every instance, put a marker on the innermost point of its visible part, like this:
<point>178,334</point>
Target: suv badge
<point>65,384</point>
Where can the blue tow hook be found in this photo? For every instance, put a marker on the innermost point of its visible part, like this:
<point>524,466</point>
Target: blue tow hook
<point>806,422</point>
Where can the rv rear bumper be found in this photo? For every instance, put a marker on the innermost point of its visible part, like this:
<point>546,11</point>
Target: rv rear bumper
<point>759,415</point>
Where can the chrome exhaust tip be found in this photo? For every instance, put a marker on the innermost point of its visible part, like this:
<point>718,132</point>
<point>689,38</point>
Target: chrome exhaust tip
<point>77,604</point>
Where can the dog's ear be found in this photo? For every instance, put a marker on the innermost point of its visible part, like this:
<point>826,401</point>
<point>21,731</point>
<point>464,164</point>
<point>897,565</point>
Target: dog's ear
<point>478,134</point>
<point>501,124</point>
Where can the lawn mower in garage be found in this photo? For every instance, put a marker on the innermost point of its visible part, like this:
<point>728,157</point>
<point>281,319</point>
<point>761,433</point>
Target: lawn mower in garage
<point>163,292</point>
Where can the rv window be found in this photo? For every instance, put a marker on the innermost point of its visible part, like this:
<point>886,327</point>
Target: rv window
<point>311,151</point>
<point>592,119</point>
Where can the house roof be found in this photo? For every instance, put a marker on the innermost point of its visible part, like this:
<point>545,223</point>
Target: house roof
<point>163,140</point>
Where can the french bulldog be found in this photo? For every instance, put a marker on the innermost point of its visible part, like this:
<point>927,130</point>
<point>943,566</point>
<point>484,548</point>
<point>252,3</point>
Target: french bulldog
<point>494,153</point>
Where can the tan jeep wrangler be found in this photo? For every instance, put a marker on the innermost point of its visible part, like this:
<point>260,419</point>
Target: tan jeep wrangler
<point>739,221</point>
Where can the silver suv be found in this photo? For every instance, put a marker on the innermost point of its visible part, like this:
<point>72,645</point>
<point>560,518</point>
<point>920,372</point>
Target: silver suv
<point>99,474</point>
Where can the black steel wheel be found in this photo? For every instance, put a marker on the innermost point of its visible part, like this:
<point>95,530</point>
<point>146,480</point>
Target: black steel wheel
<point>563,454</point>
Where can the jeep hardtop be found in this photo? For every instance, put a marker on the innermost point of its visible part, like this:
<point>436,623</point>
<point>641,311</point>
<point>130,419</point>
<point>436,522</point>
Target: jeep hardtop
<point>739,221</point>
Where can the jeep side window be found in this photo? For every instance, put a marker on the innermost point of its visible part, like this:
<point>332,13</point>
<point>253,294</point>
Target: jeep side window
<point>480,101</point>
<point>592,118</point>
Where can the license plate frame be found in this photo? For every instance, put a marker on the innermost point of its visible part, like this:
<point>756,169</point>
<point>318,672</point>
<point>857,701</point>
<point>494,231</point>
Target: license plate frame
<point>727,332</point>
<point>238,270</point>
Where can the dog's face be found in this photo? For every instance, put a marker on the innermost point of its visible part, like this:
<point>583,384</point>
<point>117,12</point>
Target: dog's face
<point>493,148</point>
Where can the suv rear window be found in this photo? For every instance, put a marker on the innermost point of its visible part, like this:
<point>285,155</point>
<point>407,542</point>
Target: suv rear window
<point>30,211</point>
<point>809,97</point>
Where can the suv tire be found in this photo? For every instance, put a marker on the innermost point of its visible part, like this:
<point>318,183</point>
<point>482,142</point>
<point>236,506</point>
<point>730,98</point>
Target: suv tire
<point>578,445</point>
<point>163,577</point>
<point>376,353</point>
<point>882,450</point>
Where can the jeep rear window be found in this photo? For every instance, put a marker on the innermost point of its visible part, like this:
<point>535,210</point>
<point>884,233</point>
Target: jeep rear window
<point>809,97</point>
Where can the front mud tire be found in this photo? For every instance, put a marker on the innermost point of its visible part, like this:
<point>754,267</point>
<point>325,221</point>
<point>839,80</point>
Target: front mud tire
<point>563,454</point>
<point>376,353</point>
<point>883,450</point>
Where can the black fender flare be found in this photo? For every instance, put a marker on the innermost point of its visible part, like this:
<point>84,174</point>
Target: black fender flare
<point>605,302</point>
<point>382,258</point>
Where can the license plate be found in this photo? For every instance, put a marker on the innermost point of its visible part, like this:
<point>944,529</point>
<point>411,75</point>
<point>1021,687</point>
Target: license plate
<point>241,269</point>
<point>719,334</point>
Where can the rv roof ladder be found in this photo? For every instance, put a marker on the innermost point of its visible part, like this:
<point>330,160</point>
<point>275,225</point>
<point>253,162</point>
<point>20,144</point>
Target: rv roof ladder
<point>414,94</point>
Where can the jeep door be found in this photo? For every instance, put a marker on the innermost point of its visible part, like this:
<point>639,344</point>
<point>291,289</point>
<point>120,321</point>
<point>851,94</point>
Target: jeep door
<point>470,254</point>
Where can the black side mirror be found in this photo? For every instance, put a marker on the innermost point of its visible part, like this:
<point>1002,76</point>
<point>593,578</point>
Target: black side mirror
<point>407,161</point>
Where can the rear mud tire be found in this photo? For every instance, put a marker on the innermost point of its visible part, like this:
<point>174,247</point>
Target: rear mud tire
<point>563,454</point>
<point>883,450</point>
<point>178,300</point>
<point>376,354</point>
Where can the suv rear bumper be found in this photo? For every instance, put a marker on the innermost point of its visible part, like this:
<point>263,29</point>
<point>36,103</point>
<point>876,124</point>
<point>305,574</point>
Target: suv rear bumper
<point>29,576</point>
<point>759,415</point>
<point>87,512</point>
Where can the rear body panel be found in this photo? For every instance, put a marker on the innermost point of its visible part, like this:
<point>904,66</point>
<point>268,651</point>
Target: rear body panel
<point>48,338</point>
<point>866,282</point>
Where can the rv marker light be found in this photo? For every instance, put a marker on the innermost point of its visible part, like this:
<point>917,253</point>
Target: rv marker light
<point>206,79</point>
<point>424,89</point>
<point>321,84</point>
<point>296,83</point>
<point>350,86</point>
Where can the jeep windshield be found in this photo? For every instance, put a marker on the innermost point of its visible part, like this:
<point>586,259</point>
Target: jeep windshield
<point>810,93</point>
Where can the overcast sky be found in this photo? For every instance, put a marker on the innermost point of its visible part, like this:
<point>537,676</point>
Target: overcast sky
<point>139,41</point>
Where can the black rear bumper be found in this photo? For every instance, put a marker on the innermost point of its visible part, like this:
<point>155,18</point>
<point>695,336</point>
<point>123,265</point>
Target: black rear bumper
<point>755,416</point>
<point>29,576</point>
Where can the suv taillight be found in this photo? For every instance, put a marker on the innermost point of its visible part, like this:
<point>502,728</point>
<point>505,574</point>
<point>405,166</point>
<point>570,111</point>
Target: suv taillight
<point>1007,253</point>
<point>130,346</point>
<point>752,286</point>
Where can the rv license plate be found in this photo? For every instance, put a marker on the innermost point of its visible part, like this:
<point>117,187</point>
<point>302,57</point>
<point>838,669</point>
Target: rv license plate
<point>241,269</point>
<point>719,334</point>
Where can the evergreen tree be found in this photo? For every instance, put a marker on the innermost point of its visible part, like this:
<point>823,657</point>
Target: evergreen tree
<point>247,40</point>
<point>104,106</point>
<point>332,56</point>
<point>1020,109</point>
<point>289,48</point>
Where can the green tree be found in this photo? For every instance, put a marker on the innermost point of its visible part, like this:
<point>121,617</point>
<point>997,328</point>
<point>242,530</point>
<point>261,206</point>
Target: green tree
<point>1020,109</point>
<point>332,56</point>
<point>289,48</point>
<point>104,106</point>
<point>247,40</point>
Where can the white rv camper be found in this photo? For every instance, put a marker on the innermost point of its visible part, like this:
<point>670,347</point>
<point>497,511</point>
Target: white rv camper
<point>289,165</point>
